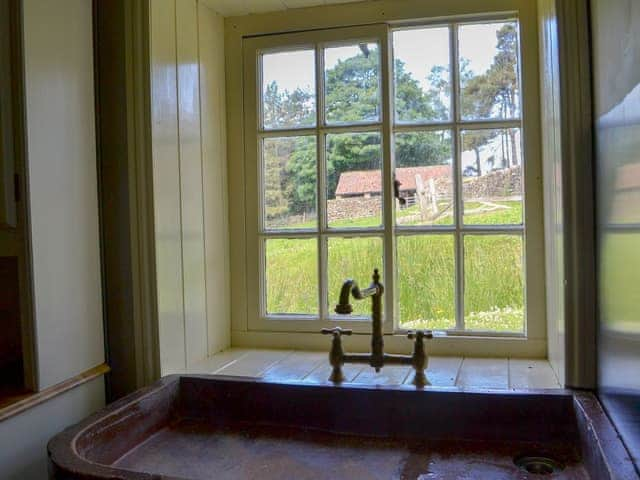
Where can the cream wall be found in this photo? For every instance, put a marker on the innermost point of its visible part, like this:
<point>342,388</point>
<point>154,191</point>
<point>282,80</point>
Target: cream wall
<point>214,151</point>
<point>23,439</point>
<point>61,162</point>
<point>553,190</point>
<point>189,176</point>
<point>63,192</point>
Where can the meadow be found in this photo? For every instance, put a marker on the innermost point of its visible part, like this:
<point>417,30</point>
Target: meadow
<point>493,294</point>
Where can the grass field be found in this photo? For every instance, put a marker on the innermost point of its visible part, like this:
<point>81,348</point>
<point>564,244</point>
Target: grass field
<point>493,295</point>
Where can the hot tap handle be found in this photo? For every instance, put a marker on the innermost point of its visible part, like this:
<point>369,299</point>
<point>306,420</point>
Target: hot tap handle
<point>419,334</point>
<point>339,331</point>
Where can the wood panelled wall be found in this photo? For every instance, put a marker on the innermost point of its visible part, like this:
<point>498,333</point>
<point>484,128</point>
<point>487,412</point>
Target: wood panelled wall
<point>189,181</point>
<point>553,184</point>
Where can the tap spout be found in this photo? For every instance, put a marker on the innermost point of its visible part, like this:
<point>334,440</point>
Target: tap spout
<point>350,287</point>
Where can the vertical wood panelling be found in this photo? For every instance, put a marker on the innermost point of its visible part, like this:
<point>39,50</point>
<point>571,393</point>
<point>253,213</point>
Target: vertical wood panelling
<point>166,185</point>
<point>214,157</point>
<point>60,123</point>
<point>195,315</point>
<point>553,192</point>
<point>189,162</point>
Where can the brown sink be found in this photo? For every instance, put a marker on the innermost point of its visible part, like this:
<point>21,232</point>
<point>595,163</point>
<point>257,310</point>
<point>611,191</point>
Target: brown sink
<point>208,427</point>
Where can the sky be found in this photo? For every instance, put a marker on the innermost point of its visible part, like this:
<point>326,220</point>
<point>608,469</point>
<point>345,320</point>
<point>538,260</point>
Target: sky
<point>419,48</point>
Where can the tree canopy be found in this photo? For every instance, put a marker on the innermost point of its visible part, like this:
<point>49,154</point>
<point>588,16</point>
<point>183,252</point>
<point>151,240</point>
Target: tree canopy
<point>353,94</point>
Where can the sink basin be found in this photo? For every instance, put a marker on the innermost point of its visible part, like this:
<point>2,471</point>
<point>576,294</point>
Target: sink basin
<point>206,427</point>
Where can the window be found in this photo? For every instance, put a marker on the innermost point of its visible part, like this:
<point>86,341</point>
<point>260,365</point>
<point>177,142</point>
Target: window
<point>335,118</point>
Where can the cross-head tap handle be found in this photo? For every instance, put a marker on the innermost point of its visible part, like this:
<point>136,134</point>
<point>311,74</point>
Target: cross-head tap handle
<point>336,331</point>
<point>419,334</point>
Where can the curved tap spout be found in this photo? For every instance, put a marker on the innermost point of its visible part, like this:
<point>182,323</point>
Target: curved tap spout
<point>351,287</point>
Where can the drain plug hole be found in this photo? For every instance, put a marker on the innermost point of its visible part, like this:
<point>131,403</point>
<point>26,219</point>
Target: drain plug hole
<point>537,465</point>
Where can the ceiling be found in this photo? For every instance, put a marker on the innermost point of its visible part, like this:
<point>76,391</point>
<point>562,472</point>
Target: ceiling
<point>231,8</point>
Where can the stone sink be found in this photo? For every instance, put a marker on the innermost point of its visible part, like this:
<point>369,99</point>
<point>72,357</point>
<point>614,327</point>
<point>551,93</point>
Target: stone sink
<point>197,427</point>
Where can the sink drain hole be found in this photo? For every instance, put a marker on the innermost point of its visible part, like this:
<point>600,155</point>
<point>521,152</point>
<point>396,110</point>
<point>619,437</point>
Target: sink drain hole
<point>537,465</point>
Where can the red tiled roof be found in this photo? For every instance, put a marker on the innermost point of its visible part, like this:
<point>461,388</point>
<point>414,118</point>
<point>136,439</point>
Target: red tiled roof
<point>369,181</point>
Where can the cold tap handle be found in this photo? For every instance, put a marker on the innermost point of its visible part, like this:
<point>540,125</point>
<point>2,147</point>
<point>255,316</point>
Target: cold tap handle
<point>419,334</point>
<point>336,331</point>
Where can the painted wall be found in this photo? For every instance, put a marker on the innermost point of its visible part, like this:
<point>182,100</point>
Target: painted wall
<point>23,439</point>
<point>189,155</point>
<point>61,149</point>
<point>553,191</point>
<point>214,154</point>
<point>58,52</point>
<point>616,68</point>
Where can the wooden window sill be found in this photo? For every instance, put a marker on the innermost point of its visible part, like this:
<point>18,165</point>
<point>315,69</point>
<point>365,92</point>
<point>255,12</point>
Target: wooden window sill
<point>313,367</point>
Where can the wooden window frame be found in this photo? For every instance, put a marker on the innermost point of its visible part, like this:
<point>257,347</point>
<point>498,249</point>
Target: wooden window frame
<point>254,327</point>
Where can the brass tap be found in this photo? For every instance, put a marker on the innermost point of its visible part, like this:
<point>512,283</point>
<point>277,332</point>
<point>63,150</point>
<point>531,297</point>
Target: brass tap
<point>377,358</point>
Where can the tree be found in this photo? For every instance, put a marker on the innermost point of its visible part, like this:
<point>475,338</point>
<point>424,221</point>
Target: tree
<point>353,95</point>
<point>276,204</point>
<point>493,94</point>
<point>476,102</point>
<point>352,88</point>
<point>301,175</point>
<point>287,109</point>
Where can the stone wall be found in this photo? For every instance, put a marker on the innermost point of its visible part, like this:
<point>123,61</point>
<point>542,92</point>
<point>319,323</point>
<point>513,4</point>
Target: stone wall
<point>353,207</point>
<point>496,184</point>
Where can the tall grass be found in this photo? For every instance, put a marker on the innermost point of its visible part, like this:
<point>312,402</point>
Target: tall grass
<point>493,298</point>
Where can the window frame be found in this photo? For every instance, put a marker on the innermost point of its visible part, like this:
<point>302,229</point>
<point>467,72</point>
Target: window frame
<point>249,328</point>
<point>255,132</point>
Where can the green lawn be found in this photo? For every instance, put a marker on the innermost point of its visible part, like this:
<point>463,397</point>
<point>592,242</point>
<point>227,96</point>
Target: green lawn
<point>510,213</point>
<point>426,272</point>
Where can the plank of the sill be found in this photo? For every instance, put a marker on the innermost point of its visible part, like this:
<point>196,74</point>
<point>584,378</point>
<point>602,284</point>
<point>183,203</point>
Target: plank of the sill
<point>441,371</point>
<point>322,372</point>
<point>295,367</point>
<point>218,361</point>
<point>254,363</point>
<point>389,375</point>
<point>525,373</point>
<point>484,373</point>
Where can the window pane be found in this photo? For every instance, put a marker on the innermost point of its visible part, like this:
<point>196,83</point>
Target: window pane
<point>292,276</point>
<point>289,182</point>
<point>492,177</point>
<point>494,283</point>
<point>423,168</point>
<point>354,180</point>
<point>426,282</point>
<point>421,74</point>
<point>352,83</point>
<point>289,89</point>
<point>354,258</point>
<point>489,80</point>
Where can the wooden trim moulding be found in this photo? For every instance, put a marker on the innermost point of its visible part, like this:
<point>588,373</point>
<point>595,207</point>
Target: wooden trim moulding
<point>33,399</point>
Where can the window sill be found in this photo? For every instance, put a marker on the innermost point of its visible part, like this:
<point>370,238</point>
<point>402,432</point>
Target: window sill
<point>461,345</point>
<point>313,368</point>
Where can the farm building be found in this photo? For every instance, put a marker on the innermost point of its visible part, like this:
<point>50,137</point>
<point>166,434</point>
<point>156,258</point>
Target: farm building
<point>367,183</point>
